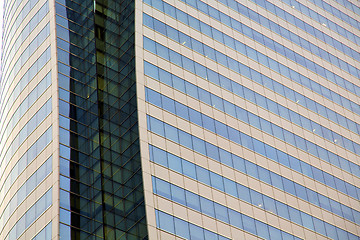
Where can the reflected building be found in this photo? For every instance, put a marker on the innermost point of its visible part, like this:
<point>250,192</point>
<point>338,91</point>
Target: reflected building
<point>185,119</point>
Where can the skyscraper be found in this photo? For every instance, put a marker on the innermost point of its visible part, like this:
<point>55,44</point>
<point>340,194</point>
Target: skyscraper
<point>180,119</point>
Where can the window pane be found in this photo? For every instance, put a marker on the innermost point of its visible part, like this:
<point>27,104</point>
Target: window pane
<point>166,222</point>
<point>182,228</point>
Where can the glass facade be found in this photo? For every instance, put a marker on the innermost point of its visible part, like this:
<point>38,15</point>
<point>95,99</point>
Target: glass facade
<point>252,112</point>
<point>26,121</point>
<point>101,191</point>
<point>182,119</point>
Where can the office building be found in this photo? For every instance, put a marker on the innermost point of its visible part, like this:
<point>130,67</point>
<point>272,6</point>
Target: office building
<point>180,119</point>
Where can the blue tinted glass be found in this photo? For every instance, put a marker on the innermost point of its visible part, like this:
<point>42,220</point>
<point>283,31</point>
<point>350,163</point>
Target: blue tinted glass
<point>300,191</point>
<point>193,201</point>
<point>249,224</point>
<point>159,156</point>
<point>196,233</point>
<point>212,151</point>
<point>235,218</point>
<point>199,145</point>
<point>163,188</point>
<point>282,210</point>
<point>251,169</point>
<point>189,169</point>
<point>230,187</point>
<point>181,110</point>
<point>225,157</point>
<point>221,213</point>
<point>171,133</point>
<point>307,221</point>
<point>185,139</point>
<point>289,186</point>
<point>262,230</point>
<point>204,96</point>
<point>65,231</point>
<point>295,215</point>
<point>256,198</point>
<point>216,181</point>
<point>244,193</point>
<point>259,147</point>
<point>203,175</point>
<point>239,163</point>
<point>195,117</point>
<point>168,104</point>
<point>264,175</point>
<point>208,123</point>
<point>269,204</point>
<point>175,163</point>
<point>212,236</point>
<point>166,222</point>
<point>221,129</point>
<point>324,202</point>
<point>178,194</point>
<point>182,228</point>
<point>207,207</point>
<point>156,126</point>
<point>274,233</point>
<point>319,226</point>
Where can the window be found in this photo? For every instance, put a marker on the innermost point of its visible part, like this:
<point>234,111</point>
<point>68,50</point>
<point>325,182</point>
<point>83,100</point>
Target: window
<point>182,228</point>
<point>221,213</point>
<point>166,222</point>
<point>217,181</point>
<point>249,224</point>
<point>189,169</point>
<point>192,200</point>
<point>207,207</point>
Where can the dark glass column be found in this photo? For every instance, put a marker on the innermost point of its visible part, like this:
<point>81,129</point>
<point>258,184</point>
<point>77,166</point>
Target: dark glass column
<point>101,181</point>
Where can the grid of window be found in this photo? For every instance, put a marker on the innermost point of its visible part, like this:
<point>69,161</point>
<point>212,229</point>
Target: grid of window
<point>310,163</point>
<point>268,104</point>
<point>238,137</point>
<point>232,160</point>
<point>29,27</point>
<point>303,25</point>
<point>9,8</point>
<point>195,67</point>
<point>183,229</point>
<point>24,106</point>
<point>217,211</point>
<point>238,26</point>
<point>232,86</point>
<point>28,5</point>
<point>30,216</point>
<point>10,52</point>
<point>350,6</point>
<point>197,96</point>
<point>323,20</point>
<point>24,190</point>
<point>44,234</point>
<point>206,97</point>
<point>247,194</point>
<point>229,108</point>
<point>78,120</point>
<point>98,121</point>
<point>19,19</point>
<point>33,151</point>
<point>8,101</point>
<point>25,132</point>
<point>254,75</point>
<point>336,12</point>
<point>27,53</point>
<point>24,18</point>
<point>250,52</point>
<point>277,47</point>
